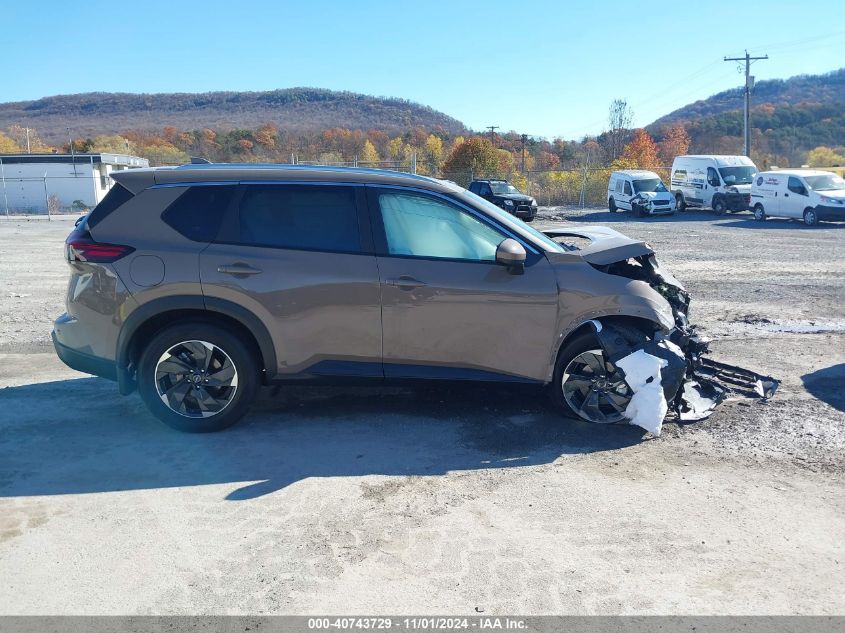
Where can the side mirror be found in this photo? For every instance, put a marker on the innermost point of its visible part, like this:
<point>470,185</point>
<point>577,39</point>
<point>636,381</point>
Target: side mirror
<point>511,254</point>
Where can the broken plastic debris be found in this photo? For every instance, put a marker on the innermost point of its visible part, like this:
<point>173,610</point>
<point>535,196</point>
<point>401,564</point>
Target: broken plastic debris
<point>647,406</point>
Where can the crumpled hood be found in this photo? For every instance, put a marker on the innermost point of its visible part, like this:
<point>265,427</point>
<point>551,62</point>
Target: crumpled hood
<point>606,245</point>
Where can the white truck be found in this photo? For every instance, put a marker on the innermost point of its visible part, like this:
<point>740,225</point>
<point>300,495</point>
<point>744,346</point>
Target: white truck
<point>808,194</point>
<point>640,191</point>
<point>722,183</point>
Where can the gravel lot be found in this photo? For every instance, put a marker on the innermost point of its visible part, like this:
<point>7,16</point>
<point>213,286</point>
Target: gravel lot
<point>450,499</point>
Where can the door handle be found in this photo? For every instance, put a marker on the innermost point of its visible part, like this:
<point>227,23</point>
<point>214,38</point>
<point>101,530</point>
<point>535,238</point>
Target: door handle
<point>786,195</point>
<point>405,282</point>
<point>238,269</point>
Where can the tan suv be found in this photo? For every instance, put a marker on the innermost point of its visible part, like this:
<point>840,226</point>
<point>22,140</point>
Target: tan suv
<point>198,284</point>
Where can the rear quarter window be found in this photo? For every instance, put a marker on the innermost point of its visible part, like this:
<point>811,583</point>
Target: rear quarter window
<point>198,213</point>
<point>115,198</point>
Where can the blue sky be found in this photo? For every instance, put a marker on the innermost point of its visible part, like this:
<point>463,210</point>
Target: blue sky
<point>546,68</point>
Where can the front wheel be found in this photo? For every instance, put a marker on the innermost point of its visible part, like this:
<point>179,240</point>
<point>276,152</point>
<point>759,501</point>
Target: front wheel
<point>759,213</point>
<point>718,205</point>
<point>810,217</point>
<point>587,386</point>
<point>197,377</point>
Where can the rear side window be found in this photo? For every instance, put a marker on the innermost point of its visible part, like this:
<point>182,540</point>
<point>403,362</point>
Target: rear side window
<point>116,197</point>
<point>300,217</point>
<point>627,188</point>
<point>198,213</point>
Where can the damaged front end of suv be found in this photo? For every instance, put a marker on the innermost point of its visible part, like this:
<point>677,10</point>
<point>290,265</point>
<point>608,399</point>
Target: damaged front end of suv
<point>667,369</point>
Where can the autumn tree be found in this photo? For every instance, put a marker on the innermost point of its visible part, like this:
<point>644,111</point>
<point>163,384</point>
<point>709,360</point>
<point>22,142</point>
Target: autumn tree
<point>824,157</point>
<point>432,155</point>
<point>368,154</point>
<point>267,135</point>
<point>675,143</point>
<point>472,158</point>
<point>114,143</point>
<point>642,149</point>
<point>7,145</point>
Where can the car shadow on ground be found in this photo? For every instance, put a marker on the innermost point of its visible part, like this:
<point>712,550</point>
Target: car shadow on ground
<point>826,385</point>
<point>780,223</point>
<point>78,436</point>
<point>606,217</point>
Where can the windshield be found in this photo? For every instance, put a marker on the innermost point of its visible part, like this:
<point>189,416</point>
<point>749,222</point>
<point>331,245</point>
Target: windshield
<point>503,187</point>
<point>738,175</point>
<point>653,185</point>
<point>540,240</point>
<point>828,182</point>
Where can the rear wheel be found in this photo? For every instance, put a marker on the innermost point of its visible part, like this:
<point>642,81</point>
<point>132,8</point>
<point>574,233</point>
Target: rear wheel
<point>718,205</point>
<point>198,377</point>
<point>810,217</point>
<point>680,205</point>
<point>611,205</point>
<point>759,213</point>
<point>587,386</point>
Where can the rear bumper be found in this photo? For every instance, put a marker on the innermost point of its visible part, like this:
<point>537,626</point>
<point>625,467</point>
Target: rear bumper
<point>86,363</point>
<point>830,214</point>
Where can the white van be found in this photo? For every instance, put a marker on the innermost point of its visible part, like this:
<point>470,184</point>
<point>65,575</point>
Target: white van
<point>640,191</point>
<point>807,194</point>
<point>722,183</point>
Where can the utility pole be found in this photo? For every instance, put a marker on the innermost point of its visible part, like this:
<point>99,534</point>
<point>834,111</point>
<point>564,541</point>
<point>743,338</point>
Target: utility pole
<point>749,84</point>
<point>492,129</point>
<point>72,154</point>
<point>524,138</point>
<point>27,141</point>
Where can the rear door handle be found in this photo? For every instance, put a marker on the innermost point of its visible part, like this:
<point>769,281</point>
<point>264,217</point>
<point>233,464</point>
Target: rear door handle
<point>405,282</point>
<point>238,269</point>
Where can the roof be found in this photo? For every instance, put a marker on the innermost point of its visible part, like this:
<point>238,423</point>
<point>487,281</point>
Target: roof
<point>108,158</point>
<point>637,173</point>
<point>137,179</point>
<point>722,158</point>
<point>800,172</point>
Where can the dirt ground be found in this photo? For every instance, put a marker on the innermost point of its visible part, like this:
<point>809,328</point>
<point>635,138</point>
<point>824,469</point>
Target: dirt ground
<point>450,499</point>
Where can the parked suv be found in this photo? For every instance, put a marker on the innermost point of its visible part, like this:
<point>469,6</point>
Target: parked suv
<point>503,194</point>
<point>198,284</point>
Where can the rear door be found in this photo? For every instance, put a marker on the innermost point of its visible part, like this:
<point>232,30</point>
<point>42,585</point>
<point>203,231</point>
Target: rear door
<point>300,258</point>
<point>448,309</point>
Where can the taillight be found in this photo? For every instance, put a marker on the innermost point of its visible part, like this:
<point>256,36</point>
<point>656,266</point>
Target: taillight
<point>80,247</point>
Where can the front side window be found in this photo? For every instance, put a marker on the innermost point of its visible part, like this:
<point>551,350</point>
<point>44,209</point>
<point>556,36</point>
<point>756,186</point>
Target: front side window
<point>420,226</point>
<point>713,177</point>
<point>796,186</point>
<point>300,217</point>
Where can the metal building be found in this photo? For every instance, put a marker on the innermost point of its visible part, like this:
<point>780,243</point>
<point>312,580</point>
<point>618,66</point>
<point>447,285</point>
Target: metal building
<point>63,182</point>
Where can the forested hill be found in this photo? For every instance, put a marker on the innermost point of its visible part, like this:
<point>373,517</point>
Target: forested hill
<point>796,91</point>
<point>789,118</point>
<point>295,109</point>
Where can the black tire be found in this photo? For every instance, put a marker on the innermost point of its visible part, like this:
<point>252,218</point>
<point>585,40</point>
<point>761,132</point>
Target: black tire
<point>228,349</point>
<point>680,205</point>
<point>611,206</point>
<point>577,346</point>
<point>759,213</point>
<point>811,218</point>
<point>718,205</point>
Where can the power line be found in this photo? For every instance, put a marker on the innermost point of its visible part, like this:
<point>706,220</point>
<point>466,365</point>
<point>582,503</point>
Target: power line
<point>749,84</point>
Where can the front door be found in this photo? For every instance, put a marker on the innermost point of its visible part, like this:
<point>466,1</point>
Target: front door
<point>448,309</point>
<point>300,258</point>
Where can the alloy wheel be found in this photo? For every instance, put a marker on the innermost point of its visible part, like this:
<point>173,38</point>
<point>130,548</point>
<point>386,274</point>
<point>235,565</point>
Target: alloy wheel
<point>595,389</point>
<point>196,379</point>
